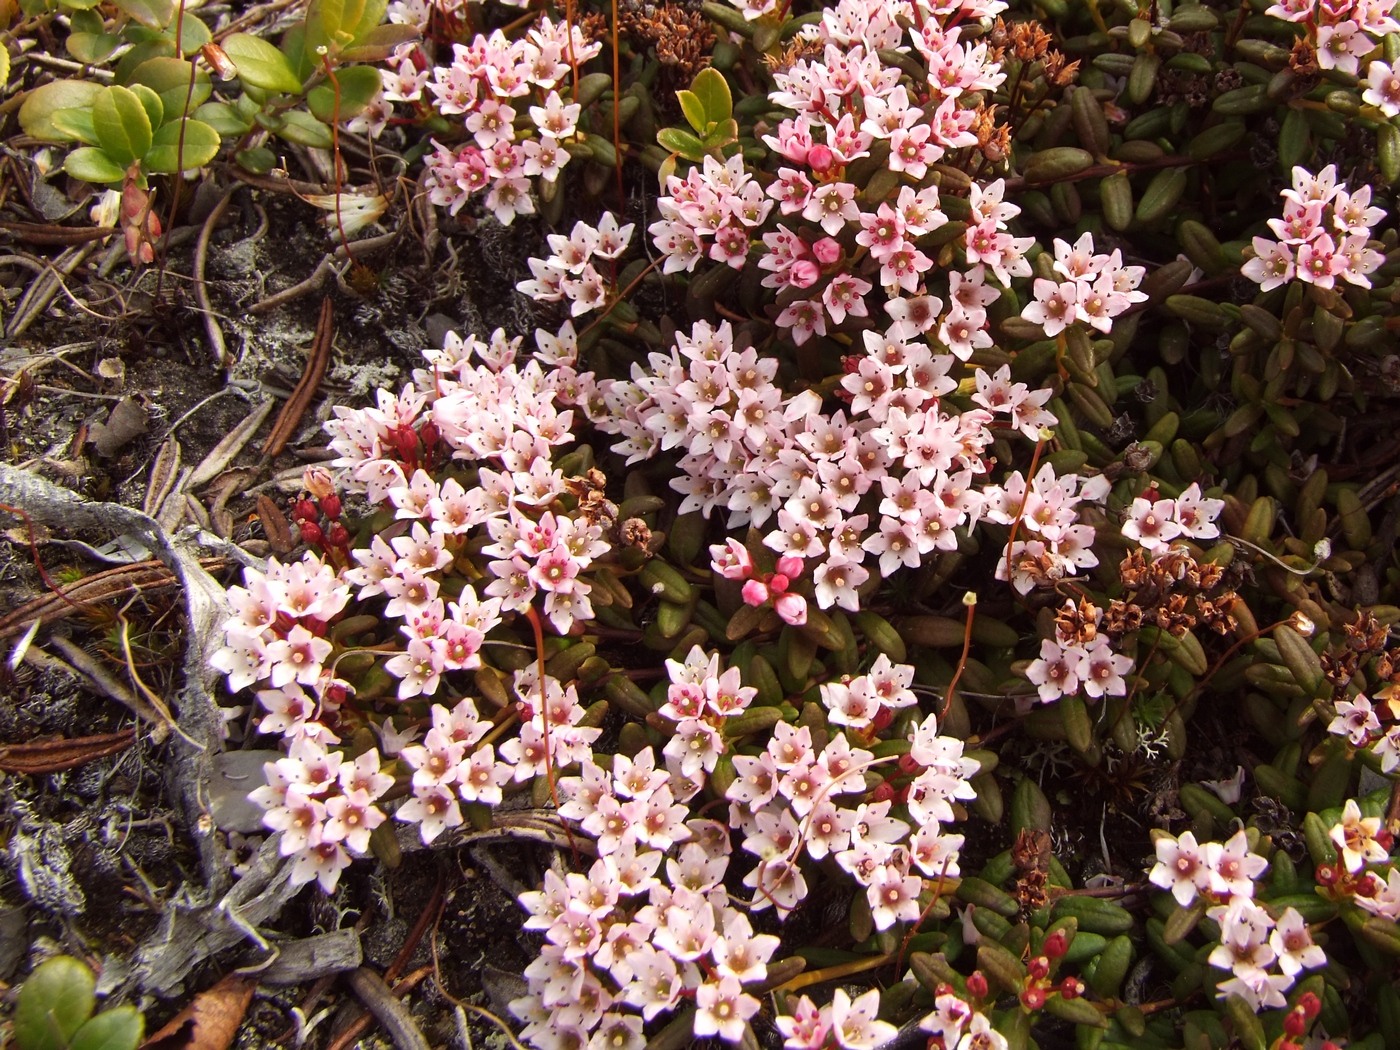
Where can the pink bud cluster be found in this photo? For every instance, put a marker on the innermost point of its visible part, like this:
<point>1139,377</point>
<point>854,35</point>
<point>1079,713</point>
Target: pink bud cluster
<point>733,561</point>
<point>1324,234</point>
<point>1263,947</point>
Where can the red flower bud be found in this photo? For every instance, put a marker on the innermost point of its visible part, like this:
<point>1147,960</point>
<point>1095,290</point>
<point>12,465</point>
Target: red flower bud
<point>431,436</point>
<point>1033,997</point>
<point>338,535</point>
<point>977,985</point>
<point>1038,968</point>
<point>1071,988</point>
<point>311,533</point>
<point>1326,874</point>
<point>883,718</point>
<point>330,506</point>
<point>908,764</point>
<point>304,510</point>
<point>883,792</point>
<point>1295,1023</point>
<point>1385,838</point>
<point>1310,1004</point>
<point>1056,944</point>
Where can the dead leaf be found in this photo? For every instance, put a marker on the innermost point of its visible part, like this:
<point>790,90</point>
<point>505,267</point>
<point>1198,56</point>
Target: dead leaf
<point>126,423</point>
<point>275,525</point>
<point>209,1022</point>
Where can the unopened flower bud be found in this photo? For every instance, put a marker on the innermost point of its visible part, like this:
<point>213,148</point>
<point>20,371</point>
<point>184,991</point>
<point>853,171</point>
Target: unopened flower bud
<point>907,763</point>
<point>1310,1004</point>
<point>311,533</point>
<point>804,273</point>
<point>1295,1022</point>
<point>820,158</point>
<point>1033,997</point>
<point>338,535</point>
<point>778,583</point>
<point>304,510</point>
<point>1071,988</point>
<point>884,792</point>
<point>1039,967</point>
<point>1056,944</point>
<point>827,250</point>
<point>977,984</point>
<point>790,566</point>
<point>330,506</point>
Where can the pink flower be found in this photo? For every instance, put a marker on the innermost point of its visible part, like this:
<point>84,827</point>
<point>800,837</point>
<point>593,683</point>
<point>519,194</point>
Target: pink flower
<point>1181,867</point>
<point>1271,266</point>
<point>1054,305</point>
<point>1152,523</point>
<point>722,1008</point>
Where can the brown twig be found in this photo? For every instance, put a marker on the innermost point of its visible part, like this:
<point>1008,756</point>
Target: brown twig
<point>290,417</point>
<point>54,756</point>
<point>383,1003</point>
<point>318,277</point>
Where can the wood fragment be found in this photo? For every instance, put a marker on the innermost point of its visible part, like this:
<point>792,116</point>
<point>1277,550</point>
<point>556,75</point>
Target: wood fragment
<point>54,756</point>
<point>290,417</point>
<point>275,525</point>
<point>387,1009</point>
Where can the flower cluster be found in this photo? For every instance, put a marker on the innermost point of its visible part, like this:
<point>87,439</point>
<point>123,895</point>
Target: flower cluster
<point>1078,660</point>
<point>1344,32</point>
<point>569,273</point>
<point>1324,234</point>
<point>1357,720</point>
<point>1263,951</point>
<point>1154,523</point>
<point>323,806</point>
<point>1095,288</point>
<point>483,84</point>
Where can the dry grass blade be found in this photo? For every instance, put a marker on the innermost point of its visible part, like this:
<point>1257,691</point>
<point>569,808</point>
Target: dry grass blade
<point>222,454</point>
<point>290,417</point>
<point>163,473</point>
<point>275,525</point>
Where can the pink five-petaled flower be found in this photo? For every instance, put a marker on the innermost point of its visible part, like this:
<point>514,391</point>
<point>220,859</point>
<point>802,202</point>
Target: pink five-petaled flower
<point>853,1021</point>
<point>1272,265</point>
<point>722,1008</point>
<point>1181,867</point>
<point>1152,523</point>
<point>1233,868</point>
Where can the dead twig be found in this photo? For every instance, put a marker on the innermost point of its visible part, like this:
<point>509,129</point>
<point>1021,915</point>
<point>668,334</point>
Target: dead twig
<point>44,287</point>
<point>290,417</point>
<point>49,235</point>
<point>54,756</point>
<point>323,270</point>
<point>387,1009</point>
<point>201,289</point>
<point>147,577</point>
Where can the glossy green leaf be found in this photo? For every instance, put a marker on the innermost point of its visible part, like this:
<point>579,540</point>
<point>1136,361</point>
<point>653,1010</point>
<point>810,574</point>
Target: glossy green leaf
<point>678,140</point>
<point>358,86</point>
<point>303,129</point>
<point>36,115</point>
<point>223,118</point>
<point>55,1001</point>
<point>261,64</point>
<point>170,78</point>
<point>154,13</point>
<point>90,164</point>
<point>120,1028</point>
<point>258,160</point>
<point>123,128</point>
<point>150,101</point>
<point>379,43</point>
<point>76,126</point>
<point>336,24</point>
<point>90,48</point>
<point>712,91</point>
<point>693,110</point>
<point>172,152</point>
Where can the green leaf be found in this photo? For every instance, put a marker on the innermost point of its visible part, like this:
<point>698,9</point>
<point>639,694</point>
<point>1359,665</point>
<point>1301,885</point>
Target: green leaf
<point>358,85</point>
<point>258,160</point>
<point>223,118</point>
<point>302,129</point>
<point>722,134</point>
<point>261,64</point>
<point>694,111</point>
<point>123,129</point>
<point>161,47</point>
<point>76,125</point>
<point>379,43</point>
<point>678,140</point>
<point>337,24</point>
<point>169,154</point>
<point>154,13</point>
<point>36,116</point>
<point>89,48</point>
<point>710,87</point>
<point>53,1004</point>
<point>90,164</point>
<point>169,77</point>
<point>155,108</point>
<point>118,1029</point>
